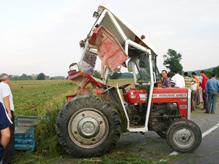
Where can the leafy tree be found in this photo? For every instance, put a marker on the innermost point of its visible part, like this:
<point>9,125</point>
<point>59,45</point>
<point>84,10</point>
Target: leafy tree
<point>172,61</point>
<point>41,76</point>
<point>25,77</point>
<point>216,71</point>
<point>208,73</point>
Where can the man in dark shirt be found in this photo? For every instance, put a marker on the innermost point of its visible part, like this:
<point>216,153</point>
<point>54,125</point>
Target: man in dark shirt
<point>4,130</point>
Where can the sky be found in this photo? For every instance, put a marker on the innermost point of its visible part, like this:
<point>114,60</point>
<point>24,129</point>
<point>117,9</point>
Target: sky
<point>43,35</point>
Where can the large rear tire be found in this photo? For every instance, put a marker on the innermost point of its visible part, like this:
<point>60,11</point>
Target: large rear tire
<point>88,127</point>
<point>184,136</point>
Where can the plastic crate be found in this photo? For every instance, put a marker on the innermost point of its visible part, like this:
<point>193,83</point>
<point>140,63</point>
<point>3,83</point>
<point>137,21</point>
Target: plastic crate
<point>25,133</point>
<point>26,121</point>
<point>25,138</point>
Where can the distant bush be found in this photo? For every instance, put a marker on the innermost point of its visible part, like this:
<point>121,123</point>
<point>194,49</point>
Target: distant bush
<point>58,78</point>
<point>22,77</point>
<point>41,76</point>
<point>216,71</point>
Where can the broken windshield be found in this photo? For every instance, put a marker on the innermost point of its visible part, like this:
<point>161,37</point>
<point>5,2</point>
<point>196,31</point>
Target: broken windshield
<point>142,68</point>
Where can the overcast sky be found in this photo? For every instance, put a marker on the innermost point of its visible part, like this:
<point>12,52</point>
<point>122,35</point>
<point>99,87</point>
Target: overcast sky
<point>43,35</point>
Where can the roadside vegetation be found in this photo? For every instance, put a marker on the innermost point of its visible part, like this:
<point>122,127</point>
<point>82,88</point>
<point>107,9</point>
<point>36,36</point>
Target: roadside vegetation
<point>42,99</point>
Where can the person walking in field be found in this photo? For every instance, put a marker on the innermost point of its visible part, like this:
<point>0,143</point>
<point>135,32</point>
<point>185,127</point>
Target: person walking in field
<point>212,88</point>
<point>203,86</point>
<point>6,99</point>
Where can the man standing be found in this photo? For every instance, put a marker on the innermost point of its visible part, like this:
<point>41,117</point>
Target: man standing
<point>178,80</point>
<point>188,80</point>
<point>190,84</point>
<point>197,81</point>
<point>5,124</point>
<point>7,101</point>
<point>203,86</point>
<point>212,88</point>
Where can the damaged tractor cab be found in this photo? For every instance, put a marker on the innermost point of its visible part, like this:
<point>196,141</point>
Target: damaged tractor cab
<point>92,121</point>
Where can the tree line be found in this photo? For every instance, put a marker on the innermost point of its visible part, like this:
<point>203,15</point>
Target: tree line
<point>40,76</point>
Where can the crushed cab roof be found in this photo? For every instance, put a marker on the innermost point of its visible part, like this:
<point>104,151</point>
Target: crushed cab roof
<point>118,28</point>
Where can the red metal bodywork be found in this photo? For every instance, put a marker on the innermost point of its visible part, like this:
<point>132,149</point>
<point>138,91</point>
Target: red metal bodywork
<point>87,79</point>
<point>135,96</point>
<point>161,95</point>
<point>172,95</point>
<point>109,49</point>
<point>84,79</point>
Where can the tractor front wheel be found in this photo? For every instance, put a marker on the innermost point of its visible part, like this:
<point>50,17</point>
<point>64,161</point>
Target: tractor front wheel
<point>184,136</point>
<point>88,127</point>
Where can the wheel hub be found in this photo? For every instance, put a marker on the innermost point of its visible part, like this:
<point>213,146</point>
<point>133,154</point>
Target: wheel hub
<point>183,138</point>
<point>88,127</point>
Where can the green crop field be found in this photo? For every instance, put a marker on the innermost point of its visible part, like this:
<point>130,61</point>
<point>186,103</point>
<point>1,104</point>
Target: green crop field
<point>43,99</point>
<point>38,97</point>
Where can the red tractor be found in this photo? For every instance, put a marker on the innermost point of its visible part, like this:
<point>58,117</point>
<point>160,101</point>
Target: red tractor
<point>92,120</point>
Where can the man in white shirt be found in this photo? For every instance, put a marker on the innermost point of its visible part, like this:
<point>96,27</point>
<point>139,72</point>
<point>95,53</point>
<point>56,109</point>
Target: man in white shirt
<point>178,80</point>
<point>6,99</point>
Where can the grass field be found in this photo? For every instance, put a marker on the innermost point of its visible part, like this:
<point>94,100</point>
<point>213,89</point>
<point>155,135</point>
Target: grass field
<point>43,99</point>
<point>38,97</point>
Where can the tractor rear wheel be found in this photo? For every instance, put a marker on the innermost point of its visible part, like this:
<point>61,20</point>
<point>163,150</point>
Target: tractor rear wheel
<point>87,127</point>
<point>184,136</point>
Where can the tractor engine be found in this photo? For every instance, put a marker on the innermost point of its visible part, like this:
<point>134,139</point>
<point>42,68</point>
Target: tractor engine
<point>162,114</point>
<point>136,105</point>
<point>136,96</point>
